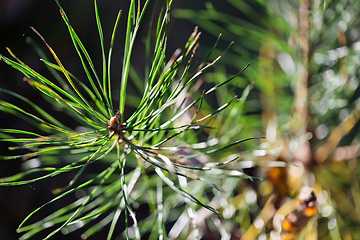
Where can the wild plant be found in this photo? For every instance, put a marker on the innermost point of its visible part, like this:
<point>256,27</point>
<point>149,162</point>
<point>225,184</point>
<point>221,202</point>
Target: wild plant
<point>164,154</point>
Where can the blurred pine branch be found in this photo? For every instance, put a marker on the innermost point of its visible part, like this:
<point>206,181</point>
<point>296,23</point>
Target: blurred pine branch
<point>305,64</point>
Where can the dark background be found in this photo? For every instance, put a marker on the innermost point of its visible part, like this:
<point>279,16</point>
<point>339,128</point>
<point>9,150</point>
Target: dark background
<point>16,17</point>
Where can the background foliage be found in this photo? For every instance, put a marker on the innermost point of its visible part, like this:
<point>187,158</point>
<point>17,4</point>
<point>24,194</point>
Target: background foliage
<point>305,62</point>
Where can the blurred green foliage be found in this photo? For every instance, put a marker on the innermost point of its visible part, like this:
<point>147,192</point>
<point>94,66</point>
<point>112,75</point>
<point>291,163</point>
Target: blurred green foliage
<point>306,65</point>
